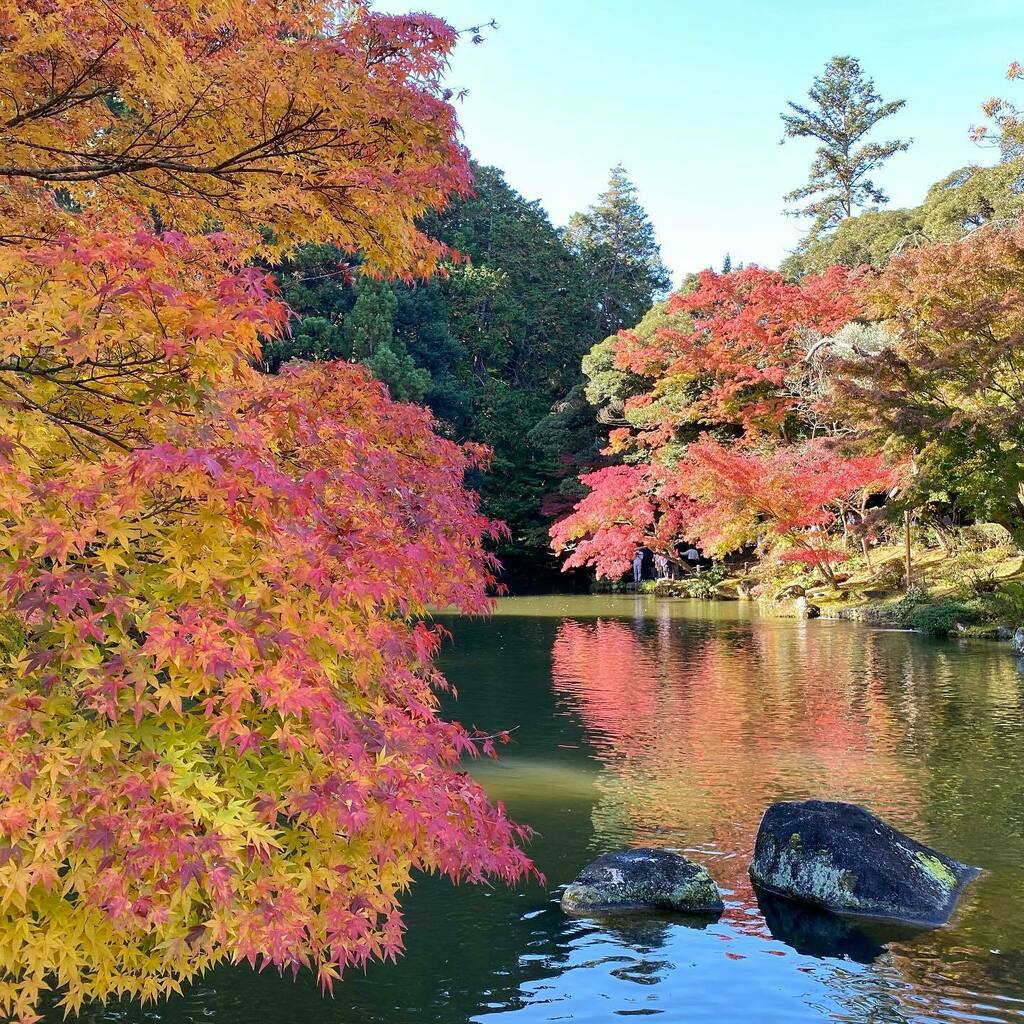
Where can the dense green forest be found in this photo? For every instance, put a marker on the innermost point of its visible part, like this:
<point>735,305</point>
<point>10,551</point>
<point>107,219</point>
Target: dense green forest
<point>493,344</point>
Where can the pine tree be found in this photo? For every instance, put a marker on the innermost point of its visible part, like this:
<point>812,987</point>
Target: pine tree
<point>727,264</point>
<point>844,108</point>
<point>615,240</point>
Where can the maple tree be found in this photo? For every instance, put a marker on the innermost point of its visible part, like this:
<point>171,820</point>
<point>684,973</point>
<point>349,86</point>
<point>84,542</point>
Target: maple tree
<point>947,389</point>
<point>744,355</point>
<point>219,730</point>
<point>1007,130</point>
<point>783,496</point>
<point>726,444</point>
<point>779,498</point>
<point>314,121</point>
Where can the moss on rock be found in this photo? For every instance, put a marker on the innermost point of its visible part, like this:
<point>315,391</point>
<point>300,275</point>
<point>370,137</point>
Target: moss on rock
<point>641,879</point>
<point>849,861</point>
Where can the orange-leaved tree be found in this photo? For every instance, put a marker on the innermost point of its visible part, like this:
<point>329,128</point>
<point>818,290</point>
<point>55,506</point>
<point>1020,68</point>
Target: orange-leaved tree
<point>728,444</point>
<point>219,732</point>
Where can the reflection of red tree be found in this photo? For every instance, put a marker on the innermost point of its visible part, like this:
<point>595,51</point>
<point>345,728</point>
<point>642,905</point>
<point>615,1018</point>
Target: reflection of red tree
<point>702,728</point>
<point>621,680</point>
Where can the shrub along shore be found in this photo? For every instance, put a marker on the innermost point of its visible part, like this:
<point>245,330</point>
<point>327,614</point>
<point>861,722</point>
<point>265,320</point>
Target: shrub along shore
<point>977,590</point>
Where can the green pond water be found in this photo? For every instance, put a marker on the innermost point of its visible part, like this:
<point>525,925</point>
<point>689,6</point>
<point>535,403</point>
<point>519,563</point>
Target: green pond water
<point>675,723</point>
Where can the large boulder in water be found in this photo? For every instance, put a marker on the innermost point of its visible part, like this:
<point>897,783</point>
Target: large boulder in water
<point>642,879</point>
<point>841,857</point>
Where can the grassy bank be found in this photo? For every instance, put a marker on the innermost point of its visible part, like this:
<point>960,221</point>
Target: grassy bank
<point>973,587</point>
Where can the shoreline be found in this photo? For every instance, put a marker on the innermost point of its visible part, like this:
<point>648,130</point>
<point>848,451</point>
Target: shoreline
<point>930,614</point>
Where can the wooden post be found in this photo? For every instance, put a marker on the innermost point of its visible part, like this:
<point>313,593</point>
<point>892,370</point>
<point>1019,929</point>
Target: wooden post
<point>906,546</point>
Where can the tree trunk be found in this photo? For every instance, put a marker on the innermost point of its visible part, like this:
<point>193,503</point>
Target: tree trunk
<point>906,549</point>
<point>867,554</point>
<point>863,536</point>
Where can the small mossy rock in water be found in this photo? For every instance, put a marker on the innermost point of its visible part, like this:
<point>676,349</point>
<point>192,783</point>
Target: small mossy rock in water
<point>643,879</point>
<point>841,857</point>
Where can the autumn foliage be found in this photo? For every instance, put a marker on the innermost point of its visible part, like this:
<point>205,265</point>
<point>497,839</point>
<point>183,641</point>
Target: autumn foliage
<point>727,446</point>
<point>774,411</point>
<point>948,390</point>
<point>747,347</point>
<point>313,120</point>
<point>219,735</point>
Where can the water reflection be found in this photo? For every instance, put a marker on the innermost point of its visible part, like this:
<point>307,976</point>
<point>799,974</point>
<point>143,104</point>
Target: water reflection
<point>825,936</point>
<point>702,728</point>
<point>700,725</point>
<point>674,723</point>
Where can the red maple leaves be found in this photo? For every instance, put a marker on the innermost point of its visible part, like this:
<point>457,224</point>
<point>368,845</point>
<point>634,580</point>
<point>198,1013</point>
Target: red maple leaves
<point>722,452</point>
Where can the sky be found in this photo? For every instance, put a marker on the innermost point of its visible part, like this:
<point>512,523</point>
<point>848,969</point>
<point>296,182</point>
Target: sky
<point>687,96</point>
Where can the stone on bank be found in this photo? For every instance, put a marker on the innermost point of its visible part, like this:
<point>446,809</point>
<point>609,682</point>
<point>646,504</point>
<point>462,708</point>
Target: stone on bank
<point>841,857</point>
<point>643,879</point>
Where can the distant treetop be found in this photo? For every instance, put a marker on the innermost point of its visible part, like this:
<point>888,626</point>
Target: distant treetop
<point>615,239</point>
<point>844,108</point>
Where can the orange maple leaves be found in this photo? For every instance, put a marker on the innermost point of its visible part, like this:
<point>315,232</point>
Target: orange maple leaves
<point>313,121</point>
<point>219,735</point>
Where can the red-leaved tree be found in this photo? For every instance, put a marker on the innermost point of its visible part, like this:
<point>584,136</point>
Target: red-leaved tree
<point>726,448</point>
<point>219,727</point>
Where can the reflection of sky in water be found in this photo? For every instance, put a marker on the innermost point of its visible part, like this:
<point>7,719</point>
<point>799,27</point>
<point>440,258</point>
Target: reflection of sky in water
<point>666,969</point>
<point>640,722</point>
<point>700,724</point>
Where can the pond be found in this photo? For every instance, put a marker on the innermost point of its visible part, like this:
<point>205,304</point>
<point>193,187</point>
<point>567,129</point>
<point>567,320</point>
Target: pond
<point>675,723</point>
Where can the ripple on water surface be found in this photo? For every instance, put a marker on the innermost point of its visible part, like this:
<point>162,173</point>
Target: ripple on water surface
<point>674,723</point>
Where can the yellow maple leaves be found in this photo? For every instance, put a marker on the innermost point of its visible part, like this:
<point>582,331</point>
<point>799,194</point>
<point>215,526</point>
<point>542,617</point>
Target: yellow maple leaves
<point>218,736</point>
<point>313,119</point>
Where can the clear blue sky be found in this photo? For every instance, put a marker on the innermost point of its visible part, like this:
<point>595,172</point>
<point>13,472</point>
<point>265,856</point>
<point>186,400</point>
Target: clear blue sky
<point>687,95</point>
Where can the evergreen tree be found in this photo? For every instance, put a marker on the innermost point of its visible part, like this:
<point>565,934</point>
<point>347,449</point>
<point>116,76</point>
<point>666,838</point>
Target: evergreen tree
<point>393,365</point>
<point>844,108</point>
<point>370,334</point>
<point>523,313</point>
<point>958,203</point>
<point>727,264</point>
<point>615,241</point>
<point>315,283</point>
<point>371,324</point>
<point>523,307</point>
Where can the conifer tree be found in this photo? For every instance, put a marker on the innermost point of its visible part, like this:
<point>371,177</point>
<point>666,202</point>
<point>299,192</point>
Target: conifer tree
<point>370,333</point>
<point>844,109</point>
<point>371,324</point>
<point>615,239</point>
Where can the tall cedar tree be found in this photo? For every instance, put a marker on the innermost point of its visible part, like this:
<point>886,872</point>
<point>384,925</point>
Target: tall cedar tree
<point>844,109</point>
<point>615,239</point>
